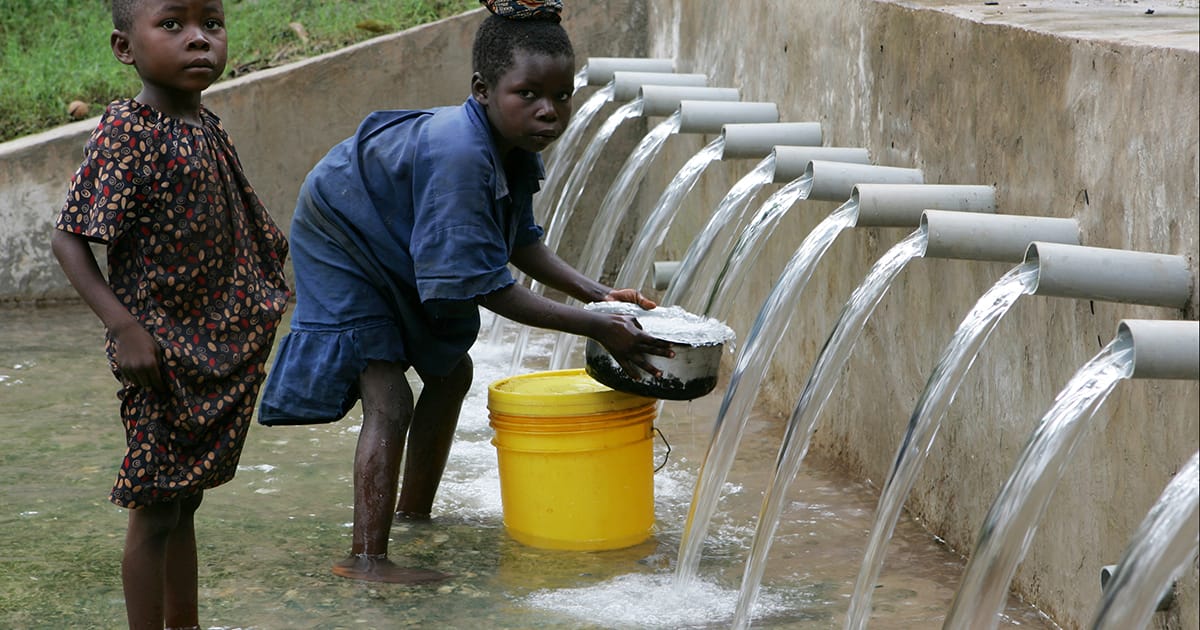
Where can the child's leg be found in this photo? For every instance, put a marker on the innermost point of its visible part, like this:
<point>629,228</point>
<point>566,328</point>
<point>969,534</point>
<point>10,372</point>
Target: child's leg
<point>430,438</point>
<point>387,410</point>
<point>143,563</point>
<point>180,606</point>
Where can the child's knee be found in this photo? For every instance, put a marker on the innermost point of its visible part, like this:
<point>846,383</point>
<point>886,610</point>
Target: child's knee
<point>154,521</point>
<point>458,381</point>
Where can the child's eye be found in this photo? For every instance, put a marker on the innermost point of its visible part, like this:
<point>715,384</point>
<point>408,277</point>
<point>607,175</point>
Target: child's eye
<point>526,94</point>
<point>171,25</point>
<point>214,24</point>
<point>563,97</point>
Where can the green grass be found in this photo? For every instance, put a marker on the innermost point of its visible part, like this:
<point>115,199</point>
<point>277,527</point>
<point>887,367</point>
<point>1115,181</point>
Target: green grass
<point>53,52</point>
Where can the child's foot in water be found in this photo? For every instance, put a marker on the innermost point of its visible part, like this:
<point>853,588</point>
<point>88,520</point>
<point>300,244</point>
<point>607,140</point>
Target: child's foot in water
<point>373,568</point>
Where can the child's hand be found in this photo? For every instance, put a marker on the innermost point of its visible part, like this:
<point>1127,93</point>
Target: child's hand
<point>630,295</point>
<point>137,356</point>
<point>624,338</point>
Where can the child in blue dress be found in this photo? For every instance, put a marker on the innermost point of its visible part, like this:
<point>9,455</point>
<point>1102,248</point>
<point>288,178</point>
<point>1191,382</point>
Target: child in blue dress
<point>400,233</point>
<point>194,294</point>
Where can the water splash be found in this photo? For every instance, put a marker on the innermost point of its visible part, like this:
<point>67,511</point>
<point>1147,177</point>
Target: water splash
<point>749,368</point>
<point>1013,518</point>
<point>1163,546</point>
<point>637,263</point>
<point>644,601</point>
<point>926,419</point>
<point>750,241</point>
<point>724,220</point>
<point>612,211</point>
<point>816,393</point>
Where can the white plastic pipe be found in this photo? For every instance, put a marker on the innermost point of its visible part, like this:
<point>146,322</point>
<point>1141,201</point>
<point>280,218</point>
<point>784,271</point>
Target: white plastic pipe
<point>1112,275</point>
<point>834,181</point>
<point>664,100</point>
<point>1163,349</point>
<point>757,140</point>
<point>901,205</point>
<point>600,69</point>
<point>627,83</point>
<point>664,273</point>
<point>995,237</point>
<point>792,161</point>
<point>696,116</point>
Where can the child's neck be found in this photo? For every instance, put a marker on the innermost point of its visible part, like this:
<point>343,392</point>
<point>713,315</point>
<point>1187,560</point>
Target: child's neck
<point>182,105</point>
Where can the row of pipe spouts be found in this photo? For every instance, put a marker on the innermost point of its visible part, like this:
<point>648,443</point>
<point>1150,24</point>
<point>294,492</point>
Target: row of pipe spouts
<point>955,222</point>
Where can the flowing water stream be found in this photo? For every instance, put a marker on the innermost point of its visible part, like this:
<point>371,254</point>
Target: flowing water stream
<point>749,368</point>
<point>803,422</point>
<point>637,262</point>
<point>612,210</point>
<point>750,242</point>
<point>1011,522</point>
<point>926,419</point>
<point>724,220</point>
<point>1163,546</point>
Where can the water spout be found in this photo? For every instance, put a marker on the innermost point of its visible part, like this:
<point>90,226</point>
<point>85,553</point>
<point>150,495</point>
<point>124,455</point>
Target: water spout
<point>600,70</point>
<point>1106,282</point>
<point>752,140</point>
<point>627,85</point>
<point>1013,519</point>
<point>711,116</point>
<point>1112,275</point>
<point>822,180</point>
<point>994,237</point>
<point>791,162</point>
<point>664,100</point>
<point>979,201</point>
<point>1161,549</point>
<point>756,140</point>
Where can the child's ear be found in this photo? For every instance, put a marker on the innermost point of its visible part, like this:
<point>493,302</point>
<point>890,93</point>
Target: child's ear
<point>120,47</point>
<point>479,89</point>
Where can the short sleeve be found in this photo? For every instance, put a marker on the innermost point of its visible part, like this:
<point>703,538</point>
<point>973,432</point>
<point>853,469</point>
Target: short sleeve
<point>115,179</point>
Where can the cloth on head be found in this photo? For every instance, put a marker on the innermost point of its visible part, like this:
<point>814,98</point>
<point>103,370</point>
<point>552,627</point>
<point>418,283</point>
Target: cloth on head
<point>525,9</point>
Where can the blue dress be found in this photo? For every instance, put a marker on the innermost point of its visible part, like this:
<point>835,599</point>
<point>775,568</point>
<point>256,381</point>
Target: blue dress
<point>397,231</point>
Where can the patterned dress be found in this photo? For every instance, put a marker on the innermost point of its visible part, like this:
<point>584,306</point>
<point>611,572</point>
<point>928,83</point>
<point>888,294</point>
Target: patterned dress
<point>194,256</point>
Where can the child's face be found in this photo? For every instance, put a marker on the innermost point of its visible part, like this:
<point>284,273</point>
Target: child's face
<point>176,45</point>
<point>530,106</point>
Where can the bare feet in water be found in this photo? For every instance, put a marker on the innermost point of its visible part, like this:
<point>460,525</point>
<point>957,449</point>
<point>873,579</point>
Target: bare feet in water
<point>372,568</point>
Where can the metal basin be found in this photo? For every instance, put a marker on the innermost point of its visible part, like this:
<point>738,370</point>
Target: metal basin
<point>697,341</point>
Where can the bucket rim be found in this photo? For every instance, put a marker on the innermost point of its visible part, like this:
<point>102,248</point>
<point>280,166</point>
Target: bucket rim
<point>557,393</point>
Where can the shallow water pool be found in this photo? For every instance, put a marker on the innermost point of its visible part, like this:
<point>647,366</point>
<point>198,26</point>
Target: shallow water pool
<point>267,539</point>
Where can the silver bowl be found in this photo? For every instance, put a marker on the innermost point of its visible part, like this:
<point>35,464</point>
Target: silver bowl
<point>697,341</point>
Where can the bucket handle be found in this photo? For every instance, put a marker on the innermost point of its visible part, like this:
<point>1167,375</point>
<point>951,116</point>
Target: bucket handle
<point>666,455</point>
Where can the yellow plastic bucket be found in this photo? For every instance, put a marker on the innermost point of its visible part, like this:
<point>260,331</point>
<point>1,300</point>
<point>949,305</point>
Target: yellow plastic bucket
<point>576,461</point>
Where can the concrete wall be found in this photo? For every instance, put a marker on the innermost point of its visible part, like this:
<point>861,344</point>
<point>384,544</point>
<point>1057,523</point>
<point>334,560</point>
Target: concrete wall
<point>1092,124</point>
<point>1065,115</point>
<point>282,121</point>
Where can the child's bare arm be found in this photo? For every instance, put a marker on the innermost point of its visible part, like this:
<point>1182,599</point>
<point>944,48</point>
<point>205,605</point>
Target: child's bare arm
<point>136,351</point>
<point>620,334</point>
<point>546,267</point>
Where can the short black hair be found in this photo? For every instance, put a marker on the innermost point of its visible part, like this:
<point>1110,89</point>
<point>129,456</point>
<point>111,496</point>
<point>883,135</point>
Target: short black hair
<point>497,38</point>
<point>123,12</point>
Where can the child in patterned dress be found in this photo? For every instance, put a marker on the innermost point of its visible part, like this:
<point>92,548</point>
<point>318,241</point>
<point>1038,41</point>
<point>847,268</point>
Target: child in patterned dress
<point>401,232</point>
<point>194,293</point>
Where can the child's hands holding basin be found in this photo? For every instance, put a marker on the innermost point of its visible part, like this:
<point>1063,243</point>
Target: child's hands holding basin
<point>624,338</point>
